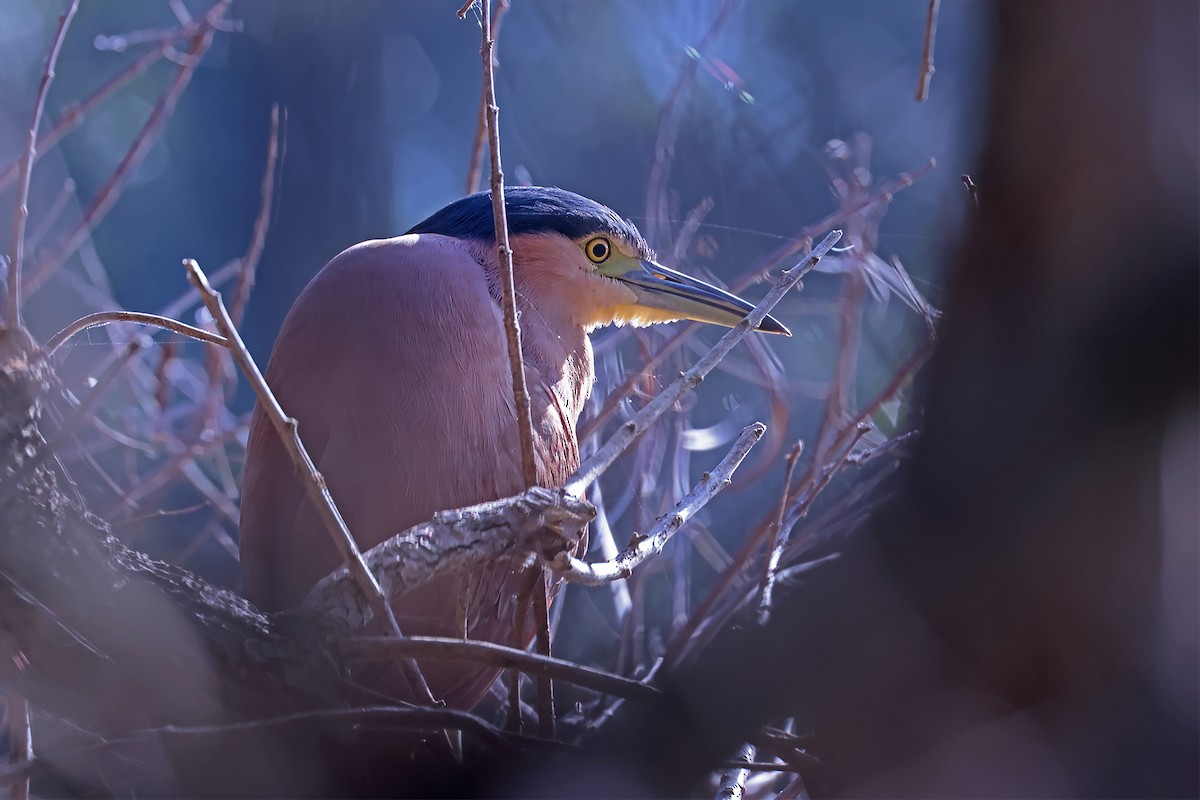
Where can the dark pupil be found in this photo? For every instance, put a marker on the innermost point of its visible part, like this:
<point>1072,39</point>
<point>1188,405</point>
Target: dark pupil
<point>599,250</point>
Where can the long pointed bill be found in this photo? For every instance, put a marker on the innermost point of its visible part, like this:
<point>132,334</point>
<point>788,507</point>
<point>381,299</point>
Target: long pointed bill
<point>657,286</point>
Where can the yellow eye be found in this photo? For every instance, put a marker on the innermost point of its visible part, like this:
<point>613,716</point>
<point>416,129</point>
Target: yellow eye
<point>598,250</point>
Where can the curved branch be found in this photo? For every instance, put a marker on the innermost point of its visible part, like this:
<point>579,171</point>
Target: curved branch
<point>137,317</point>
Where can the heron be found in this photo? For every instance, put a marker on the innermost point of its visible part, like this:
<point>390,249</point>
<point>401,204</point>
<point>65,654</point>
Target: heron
<point>394,362</point>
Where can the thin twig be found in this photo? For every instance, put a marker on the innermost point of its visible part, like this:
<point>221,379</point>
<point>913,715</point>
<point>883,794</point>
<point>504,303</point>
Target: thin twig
<point>497,655</point>
<point>512,329</point>
<point>616,445</point>
<point>314,484</point>
<point>642,548</point>
<point>475,168</point>
<point>927,51</point>
<point>76,112</point>
<point>138,317</point>
<point>512,325</point>
<point>20,743</point>
<point>779,539</point>
<point>668,124</point>
<point>21,213</point>
<point>241,293</point>
<point>51,215</point>
<point>108,194</point>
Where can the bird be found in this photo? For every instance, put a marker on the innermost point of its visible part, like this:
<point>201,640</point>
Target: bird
<point>394,362</point>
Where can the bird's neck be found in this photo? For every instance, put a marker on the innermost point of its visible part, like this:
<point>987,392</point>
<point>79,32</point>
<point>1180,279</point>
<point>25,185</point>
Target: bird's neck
<point>552,340</point>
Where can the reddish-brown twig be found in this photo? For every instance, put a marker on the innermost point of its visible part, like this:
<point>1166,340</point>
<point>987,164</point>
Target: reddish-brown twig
<point>109,193</point>
<point>76,112</point>
<point>21,214</point>
<point>108,317</point>
<point>475,167</point>
<point>258,239</point>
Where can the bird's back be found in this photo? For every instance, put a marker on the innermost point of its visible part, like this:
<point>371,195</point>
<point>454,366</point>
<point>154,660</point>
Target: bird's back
<point>393,361</point>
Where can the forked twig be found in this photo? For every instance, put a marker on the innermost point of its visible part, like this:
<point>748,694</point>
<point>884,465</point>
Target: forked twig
<point>21,214</point>
<point>314,485</point>
<point>642,548</point>
<point>612,449</point>
<point>779,539</point>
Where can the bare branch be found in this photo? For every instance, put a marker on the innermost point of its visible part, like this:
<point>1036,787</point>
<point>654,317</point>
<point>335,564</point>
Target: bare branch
<point>927,51</point>
<point>496,655</point>
<point>475,167</point>
<point>21,213</point>
<point>314,485</point>
<point>154,320</point>
<point>612,449</point>
<point>642,548</point>
<point>108,194</point>
<point>512,326</point>
<point>512,330</point>
<point>779,539</point>
<point>258,239</point>
<point>455,541</point>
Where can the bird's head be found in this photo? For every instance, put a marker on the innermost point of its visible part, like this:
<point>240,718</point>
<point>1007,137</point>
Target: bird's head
<point>586,258</point>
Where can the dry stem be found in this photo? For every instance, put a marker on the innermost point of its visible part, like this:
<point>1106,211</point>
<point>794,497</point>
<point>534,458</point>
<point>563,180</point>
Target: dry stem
<point>258,239</point>
<point>512,329</point>
<point>108,194</point>
<point>21,214</point>
<point>107,317</point>
<point>927,51</point>
<point>20,747</point>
